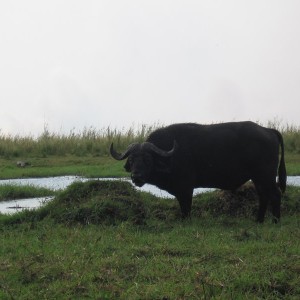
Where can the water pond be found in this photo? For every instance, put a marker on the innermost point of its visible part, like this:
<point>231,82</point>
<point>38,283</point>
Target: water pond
<point>61,182</point>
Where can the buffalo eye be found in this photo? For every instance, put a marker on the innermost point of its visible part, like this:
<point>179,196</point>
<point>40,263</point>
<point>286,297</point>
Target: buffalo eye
<point>148,160</point>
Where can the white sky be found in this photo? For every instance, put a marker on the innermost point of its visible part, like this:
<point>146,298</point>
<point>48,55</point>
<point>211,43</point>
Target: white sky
<point>81,63</point>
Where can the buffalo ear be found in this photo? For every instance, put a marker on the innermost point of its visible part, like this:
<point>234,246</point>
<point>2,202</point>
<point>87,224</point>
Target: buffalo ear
<point>162,167</point>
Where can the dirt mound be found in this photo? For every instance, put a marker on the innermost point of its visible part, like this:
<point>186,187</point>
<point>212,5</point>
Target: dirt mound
<point>243,202</point>
<point>240,203</point>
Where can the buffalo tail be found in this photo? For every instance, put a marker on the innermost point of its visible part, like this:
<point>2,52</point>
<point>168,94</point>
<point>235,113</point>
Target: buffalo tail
<point>281,169</point>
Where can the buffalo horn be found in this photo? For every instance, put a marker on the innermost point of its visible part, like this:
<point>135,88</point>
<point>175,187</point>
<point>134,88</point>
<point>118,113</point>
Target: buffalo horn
<point>120,156</point>
<point>155,149</point>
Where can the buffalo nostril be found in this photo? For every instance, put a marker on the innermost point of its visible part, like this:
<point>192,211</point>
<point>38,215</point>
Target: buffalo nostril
<point>137,179</point>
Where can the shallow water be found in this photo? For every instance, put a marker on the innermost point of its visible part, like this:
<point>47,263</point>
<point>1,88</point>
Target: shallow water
<point>62,182</point>
<point>13,206</point>
<point>52,183</point>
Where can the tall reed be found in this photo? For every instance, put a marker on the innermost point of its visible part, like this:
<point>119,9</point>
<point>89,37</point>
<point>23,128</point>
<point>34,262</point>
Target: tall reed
<point>291,135</point>
<point>89,141</point>
<point>96,142</point>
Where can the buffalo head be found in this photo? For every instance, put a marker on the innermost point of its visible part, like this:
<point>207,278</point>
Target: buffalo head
<point>141,161</point>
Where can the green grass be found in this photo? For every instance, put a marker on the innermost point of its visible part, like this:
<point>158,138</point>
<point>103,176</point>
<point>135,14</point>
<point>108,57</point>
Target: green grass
<point>292,162</point>
<point>201,259</point>
<point>12,192</point>
<point>88,166</point>
<point>104,240</point>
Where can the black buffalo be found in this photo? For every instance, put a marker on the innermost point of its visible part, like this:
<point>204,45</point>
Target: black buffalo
<point>181,157</point>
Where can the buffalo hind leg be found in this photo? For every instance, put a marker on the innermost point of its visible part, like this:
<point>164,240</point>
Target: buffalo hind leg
<point>275,204</point>
<point>268,193</point>
<point>185,202</point>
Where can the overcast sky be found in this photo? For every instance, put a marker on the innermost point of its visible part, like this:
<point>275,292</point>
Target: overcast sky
<point>74,64</point>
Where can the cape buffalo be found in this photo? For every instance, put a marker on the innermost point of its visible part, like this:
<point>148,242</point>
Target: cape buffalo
<point>181,157</point>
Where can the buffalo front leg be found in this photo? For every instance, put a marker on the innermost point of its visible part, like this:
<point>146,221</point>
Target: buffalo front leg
<point>185,201</point>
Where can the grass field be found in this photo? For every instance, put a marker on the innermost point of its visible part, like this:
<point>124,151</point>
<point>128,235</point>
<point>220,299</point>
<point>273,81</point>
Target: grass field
<point>105,240</point>
<point>202,259</point>
<point>88,166</point>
